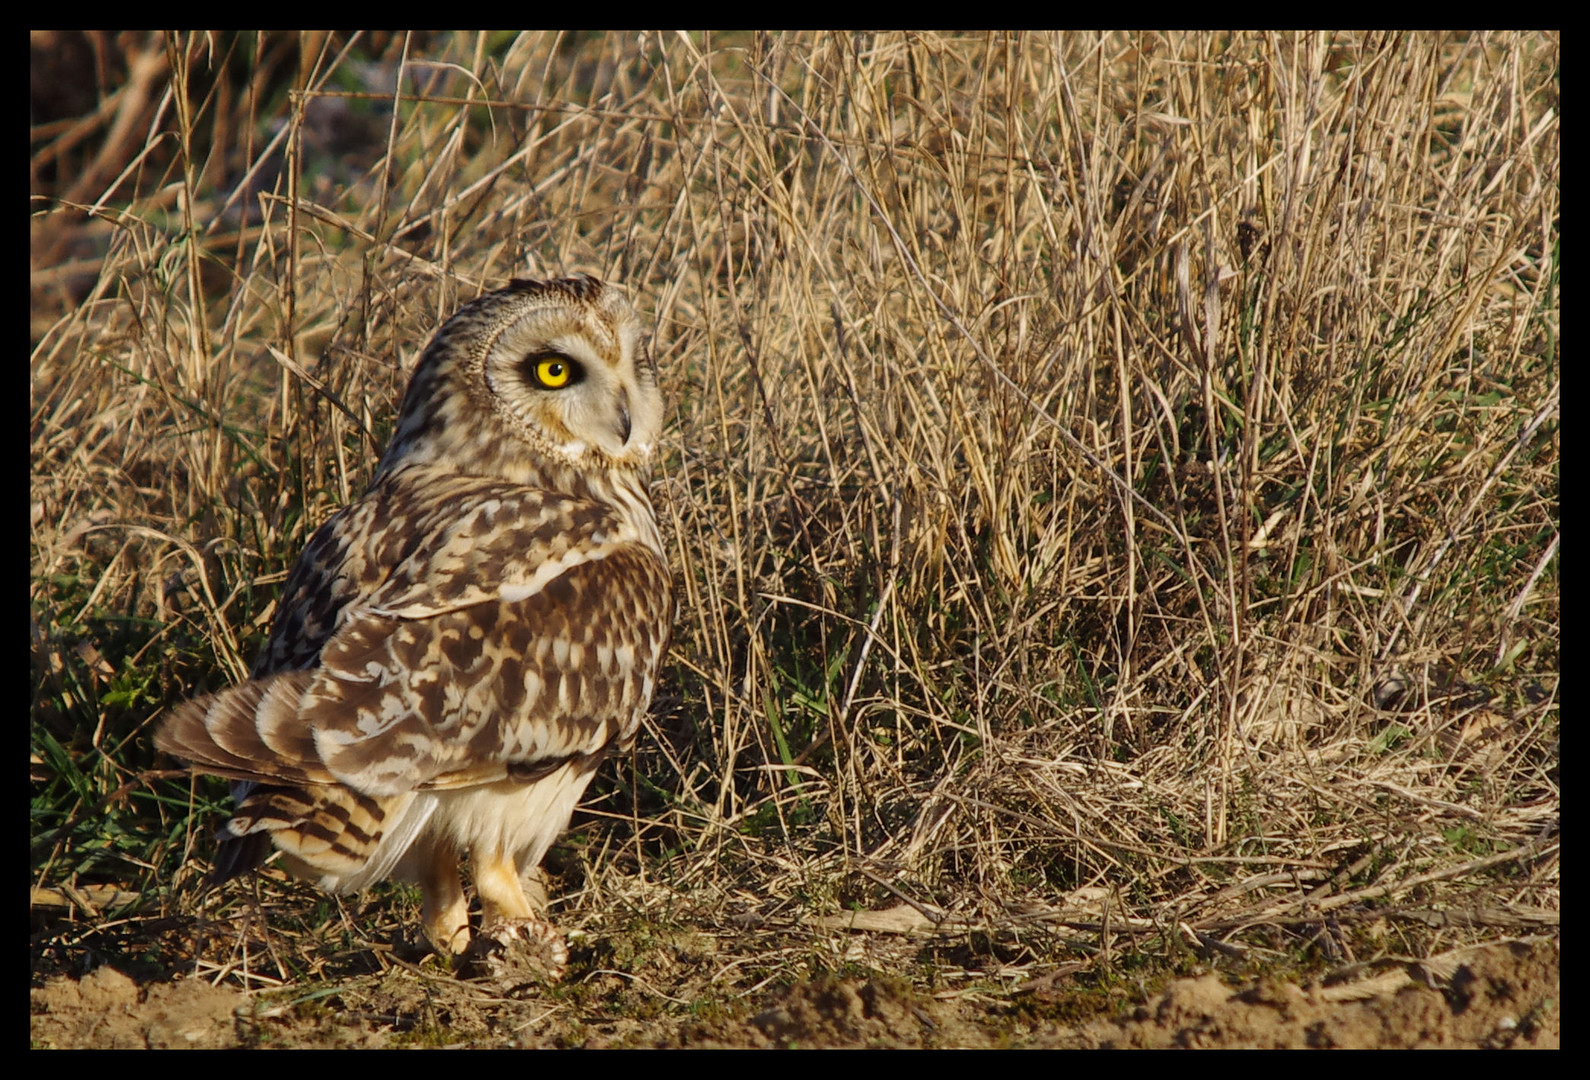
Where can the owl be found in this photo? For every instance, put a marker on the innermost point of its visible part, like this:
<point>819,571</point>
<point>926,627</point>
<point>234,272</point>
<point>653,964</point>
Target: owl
<point>455,653</point>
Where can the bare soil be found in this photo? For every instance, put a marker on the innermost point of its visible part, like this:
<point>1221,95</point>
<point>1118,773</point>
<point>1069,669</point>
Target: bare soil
<point>1503,995</point>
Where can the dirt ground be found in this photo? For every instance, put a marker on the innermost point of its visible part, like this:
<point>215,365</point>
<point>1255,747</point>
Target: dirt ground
<point>1503,995</point>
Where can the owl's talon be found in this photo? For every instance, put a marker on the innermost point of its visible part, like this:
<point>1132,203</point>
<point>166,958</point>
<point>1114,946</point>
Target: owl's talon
<point>514,952</point>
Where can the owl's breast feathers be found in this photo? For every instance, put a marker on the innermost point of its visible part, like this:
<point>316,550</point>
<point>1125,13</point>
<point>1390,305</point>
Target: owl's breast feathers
<point>483,632</point>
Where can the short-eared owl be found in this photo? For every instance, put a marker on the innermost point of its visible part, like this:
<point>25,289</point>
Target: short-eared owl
<point>456,652</point>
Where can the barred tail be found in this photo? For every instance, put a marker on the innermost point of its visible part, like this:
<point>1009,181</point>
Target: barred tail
<point>255,735</point>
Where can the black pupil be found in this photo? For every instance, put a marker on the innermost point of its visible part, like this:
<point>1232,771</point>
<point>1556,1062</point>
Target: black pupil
<point>554,371</point>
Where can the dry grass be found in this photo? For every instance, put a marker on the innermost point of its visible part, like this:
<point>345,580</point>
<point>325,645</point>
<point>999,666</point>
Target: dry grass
<point>1112,483</point>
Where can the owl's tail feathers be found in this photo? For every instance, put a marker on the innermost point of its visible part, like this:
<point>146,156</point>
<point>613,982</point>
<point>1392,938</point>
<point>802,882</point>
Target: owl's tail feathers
<point>250,732</point>
<point>238,855</point>
<point>255,733</point>
<point>332,835</point>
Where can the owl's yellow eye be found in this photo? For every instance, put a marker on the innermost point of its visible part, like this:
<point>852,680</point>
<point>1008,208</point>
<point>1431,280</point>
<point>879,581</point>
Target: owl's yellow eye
<point>554,372</point>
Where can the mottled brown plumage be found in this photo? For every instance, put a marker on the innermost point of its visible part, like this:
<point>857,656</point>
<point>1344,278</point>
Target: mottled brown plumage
<point>456,652</point>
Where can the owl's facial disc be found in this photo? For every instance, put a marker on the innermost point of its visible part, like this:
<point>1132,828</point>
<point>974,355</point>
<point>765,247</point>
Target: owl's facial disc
<point>565,388</point>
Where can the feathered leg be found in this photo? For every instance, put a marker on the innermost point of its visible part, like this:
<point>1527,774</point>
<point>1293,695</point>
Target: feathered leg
<point>513,937</point>
<point>446,911</point>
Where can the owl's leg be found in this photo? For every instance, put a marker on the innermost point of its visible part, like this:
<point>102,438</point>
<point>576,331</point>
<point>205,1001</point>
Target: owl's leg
<point>446,911</point>
<point>513,937</point>
<point>501,894</point>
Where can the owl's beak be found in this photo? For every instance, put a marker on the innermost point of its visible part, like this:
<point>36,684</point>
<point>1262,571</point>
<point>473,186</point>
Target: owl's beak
<point>623,417</point>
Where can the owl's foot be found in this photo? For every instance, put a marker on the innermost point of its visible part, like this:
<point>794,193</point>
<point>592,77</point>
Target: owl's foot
<point>516,952</point>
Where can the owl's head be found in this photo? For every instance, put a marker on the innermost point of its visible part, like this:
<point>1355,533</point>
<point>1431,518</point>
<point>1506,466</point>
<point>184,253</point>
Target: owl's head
<point>541,373</point>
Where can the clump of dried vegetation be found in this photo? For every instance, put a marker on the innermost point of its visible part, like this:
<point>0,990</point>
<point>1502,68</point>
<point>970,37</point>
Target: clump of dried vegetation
<point>1112,481</point>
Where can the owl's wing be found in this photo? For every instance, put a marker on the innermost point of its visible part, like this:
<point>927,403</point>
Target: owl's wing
<point>337,565</point>
<point>525,633</point>
<point>479,632</point>
<point>253,733</point>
